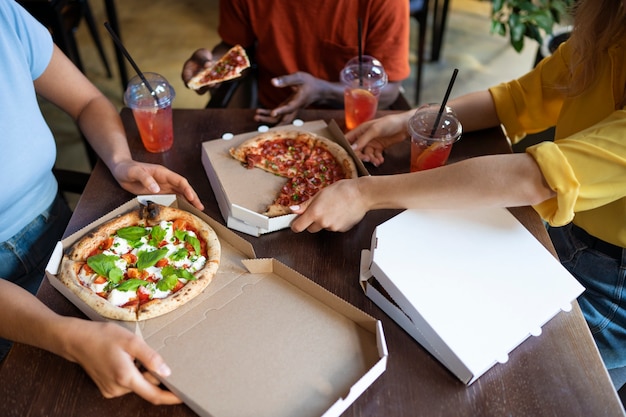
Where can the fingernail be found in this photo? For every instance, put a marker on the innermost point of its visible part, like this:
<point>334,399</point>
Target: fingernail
<point>164,370</point>
<point>277,81</point>
<point>294,208</point>
<point>154,188</point>
<point>353,146</point>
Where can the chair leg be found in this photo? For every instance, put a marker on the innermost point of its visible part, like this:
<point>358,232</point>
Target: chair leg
<point>439,27</point>
<point>421,42</point>
<point>91,24</point>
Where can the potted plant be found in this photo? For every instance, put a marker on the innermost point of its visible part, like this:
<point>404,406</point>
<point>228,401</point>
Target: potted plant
<point>532,19</point>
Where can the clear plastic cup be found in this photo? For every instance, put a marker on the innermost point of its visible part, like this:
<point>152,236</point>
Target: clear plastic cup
<point>432,136</point>
<point>152,113</point>
<point>363,83</point>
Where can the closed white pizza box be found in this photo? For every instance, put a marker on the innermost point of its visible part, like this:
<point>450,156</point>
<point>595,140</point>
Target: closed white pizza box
<point>261,340</point>
<point>244,194</point>
<point>469,286</point>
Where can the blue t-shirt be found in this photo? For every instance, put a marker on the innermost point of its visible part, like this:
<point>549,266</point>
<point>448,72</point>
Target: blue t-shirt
<point>28,149</point>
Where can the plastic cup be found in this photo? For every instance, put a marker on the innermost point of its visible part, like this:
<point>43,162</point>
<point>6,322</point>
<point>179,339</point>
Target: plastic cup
<point>431,144</point>
<point>363,84</point>
<point>153,115</point>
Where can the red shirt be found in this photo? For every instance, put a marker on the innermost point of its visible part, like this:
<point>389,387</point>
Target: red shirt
<point>316,36</point>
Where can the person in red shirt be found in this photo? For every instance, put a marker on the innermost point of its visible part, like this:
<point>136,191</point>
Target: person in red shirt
<point>300,49</point>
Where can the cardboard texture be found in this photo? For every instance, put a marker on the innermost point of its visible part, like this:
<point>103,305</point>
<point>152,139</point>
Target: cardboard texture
<point>262,340</point>
<point>243,194</point>
<point>470,286</point>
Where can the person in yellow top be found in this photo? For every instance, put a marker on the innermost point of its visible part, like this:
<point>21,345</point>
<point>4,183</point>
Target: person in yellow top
<point>577,183</point>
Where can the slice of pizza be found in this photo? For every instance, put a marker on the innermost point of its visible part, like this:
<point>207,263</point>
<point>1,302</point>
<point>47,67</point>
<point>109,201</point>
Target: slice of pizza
<point>282,153</point>
<point>228,67</point>
<point>142,264</point>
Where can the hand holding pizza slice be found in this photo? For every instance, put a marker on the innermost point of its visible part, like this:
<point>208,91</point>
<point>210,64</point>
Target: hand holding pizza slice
<point>228,67</point>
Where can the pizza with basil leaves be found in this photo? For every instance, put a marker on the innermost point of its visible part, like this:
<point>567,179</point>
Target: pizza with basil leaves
<point>142,264</point>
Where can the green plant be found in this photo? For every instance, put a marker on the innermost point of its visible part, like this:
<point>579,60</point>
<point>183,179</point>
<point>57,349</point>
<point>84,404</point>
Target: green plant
<point>527,18</point>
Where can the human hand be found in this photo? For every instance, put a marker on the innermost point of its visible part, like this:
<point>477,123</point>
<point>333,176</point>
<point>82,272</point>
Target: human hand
<point>370,139</point>
<point>108,352</point>
<point>200,60</point>
<point>306,90</point>
<point>328,208</point>
<point>143,178</point>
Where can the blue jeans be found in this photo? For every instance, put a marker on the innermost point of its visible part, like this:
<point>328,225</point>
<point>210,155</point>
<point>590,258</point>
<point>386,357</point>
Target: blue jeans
<point>601,269</point>
<point>23,258</point>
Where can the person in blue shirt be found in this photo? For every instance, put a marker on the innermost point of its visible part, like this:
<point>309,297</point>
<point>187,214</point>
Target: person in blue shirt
<point>33,215</point>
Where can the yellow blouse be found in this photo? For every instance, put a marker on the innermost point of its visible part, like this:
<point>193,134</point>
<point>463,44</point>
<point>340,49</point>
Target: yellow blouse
<point>586,163</point>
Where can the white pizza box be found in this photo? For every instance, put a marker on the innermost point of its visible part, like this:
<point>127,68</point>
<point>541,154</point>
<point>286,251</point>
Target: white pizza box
<point>243,194</point>
<point>262,340</point>
<point>469,286</point>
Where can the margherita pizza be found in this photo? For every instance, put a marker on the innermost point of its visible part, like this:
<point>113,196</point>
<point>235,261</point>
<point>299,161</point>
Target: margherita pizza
<point>228,67</point>
<point>309,162</point>
<point>142,264</point>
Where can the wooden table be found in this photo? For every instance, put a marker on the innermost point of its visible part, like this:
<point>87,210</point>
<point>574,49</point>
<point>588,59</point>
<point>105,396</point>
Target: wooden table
<point>556,374</point>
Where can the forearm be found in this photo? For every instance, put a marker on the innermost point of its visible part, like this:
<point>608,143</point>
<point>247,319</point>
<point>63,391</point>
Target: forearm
<point>100,123</point>
<point>490,181</point>
<point>476,111</point>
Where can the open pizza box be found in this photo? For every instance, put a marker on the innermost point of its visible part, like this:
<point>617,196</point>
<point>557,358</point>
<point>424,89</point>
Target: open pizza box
<point>243,194</point>
<point>469,286</point>
<point>261,340</point>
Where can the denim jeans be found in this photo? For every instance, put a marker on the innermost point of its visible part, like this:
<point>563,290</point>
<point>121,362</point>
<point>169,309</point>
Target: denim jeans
<point>603,302</point>
<point>24,256</point>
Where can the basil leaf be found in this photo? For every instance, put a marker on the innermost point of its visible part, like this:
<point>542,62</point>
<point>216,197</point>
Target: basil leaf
<point>132,233</point>
<point>148,259</point>
<point>178,272</point>
<point>179,255</point>
<point>158,234</point>
<point>193,241</point>
<point>102,263</point>
<point>180,234</point>
<point>167,283</point>
<point>115,275</point>
<point>131,285</point>
<point>186,275</point>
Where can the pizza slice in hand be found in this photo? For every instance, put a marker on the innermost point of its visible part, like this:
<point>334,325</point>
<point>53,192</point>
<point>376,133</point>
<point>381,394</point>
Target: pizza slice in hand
<point>228,67</point>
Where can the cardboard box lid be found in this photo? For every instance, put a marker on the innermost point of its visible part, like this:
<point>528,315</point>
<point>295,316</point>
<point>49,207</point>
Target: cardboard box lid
<point>474,283</point>
<point>244,194</point>
<point>261,340</point>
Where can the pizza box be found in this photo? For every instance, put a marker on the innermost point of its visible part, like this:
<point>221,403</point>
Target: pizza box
<point>469,286</point>
<point>262,340</point>
<point>243,194</point>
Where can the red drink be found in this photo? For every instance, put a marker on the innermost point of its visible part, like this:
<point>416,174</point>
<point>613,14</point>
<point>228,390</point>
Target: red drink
<point>424,156</point>
<point>360,106</point>
<point>432,136</point>
<point>155,128</point>
<point>150,98</point>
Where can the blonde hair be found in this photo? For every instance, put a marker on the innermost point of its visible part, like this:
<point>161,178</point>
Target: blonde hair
<point>598,24</point>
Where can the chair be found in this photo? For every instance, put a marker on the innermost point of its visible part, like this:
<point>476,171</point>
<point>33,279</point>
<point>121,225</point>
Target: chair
<point>62,18</point>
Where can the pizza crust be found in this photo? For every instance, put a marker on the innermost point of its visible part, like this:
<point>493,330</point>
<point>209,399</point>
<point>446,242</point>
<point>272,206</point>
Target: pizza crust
<point>148,215</point>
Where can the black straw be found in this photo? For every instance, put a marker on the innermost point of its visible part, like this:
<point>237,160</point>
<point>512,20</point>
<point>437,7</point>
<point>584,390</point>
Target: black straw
<point>443,103</point>
<point>360,35</point>
<point>119,44</point>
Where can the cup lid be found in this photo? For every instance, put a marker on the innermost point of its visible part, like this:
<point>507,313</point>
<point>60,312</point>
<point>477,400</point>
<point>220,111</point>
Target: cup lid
<point>138,94</point>
<point>370,69</point>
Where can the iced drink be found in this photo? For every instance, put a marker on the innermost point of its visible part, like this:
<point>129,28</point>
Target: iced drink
<point>363,83</point>
<point>432,137</point>
<point>152,110</point>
